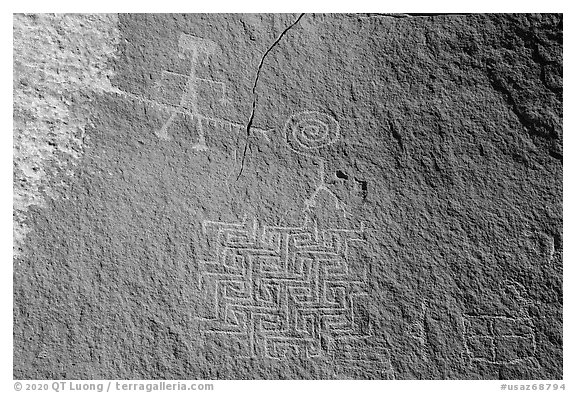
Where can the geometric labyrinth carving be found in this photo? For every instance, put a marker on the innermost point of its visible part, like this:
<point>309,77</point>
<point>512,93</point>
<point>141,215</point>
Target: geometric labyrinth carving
<point>283,291</point>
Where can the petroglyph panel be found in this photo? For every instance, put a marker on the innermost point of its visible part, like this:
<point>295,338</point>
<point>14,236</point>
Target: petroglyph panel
<point>405,172</point>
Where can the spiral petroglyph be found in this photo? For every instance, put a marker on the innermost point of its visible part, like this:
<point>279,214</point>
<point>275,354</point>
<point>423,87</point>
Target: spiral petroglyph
<point>308,131</point>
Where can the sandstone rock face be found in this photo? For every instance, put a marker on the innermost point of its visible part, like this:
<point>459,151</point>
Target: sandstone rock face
<point>288,196</point>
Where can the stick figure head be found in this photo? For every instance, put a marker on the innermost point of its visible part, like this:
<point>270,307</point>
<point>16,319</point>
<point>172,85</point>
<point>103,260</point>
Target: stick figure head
<point>195,45</point>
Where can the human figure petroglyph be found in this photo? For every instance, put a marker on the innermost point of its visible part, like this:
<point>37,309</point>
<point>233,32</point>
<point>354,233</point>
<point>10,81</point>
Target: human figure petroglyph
<point>195,47</point>
<point>188,105</point>
<point>306,134</point>
<point>321,185</point>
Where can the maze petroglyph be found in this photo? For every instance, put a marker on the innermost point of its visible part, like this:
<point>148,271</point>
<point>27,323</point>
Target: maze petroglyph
<point>283,291</point>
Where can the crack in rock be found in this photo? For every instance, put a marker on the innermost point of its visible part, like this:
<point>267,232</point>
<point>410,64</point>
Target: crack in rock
<point>255,96</point>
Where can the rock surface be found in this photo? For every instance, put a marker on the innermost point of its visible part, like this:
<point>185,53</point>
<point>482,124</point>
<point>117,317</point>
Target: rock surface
<point>288,196</point>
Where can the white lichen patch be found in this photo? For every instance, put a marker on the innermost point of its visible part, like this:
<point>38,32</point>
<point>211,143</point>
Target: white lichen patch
<point>59,61</point>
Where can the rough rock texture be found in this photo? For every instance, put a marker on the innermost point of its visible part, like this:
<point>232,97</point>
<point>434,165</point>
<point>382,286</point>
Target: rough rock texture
<point>59,61</point>
<point>288,196</point>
